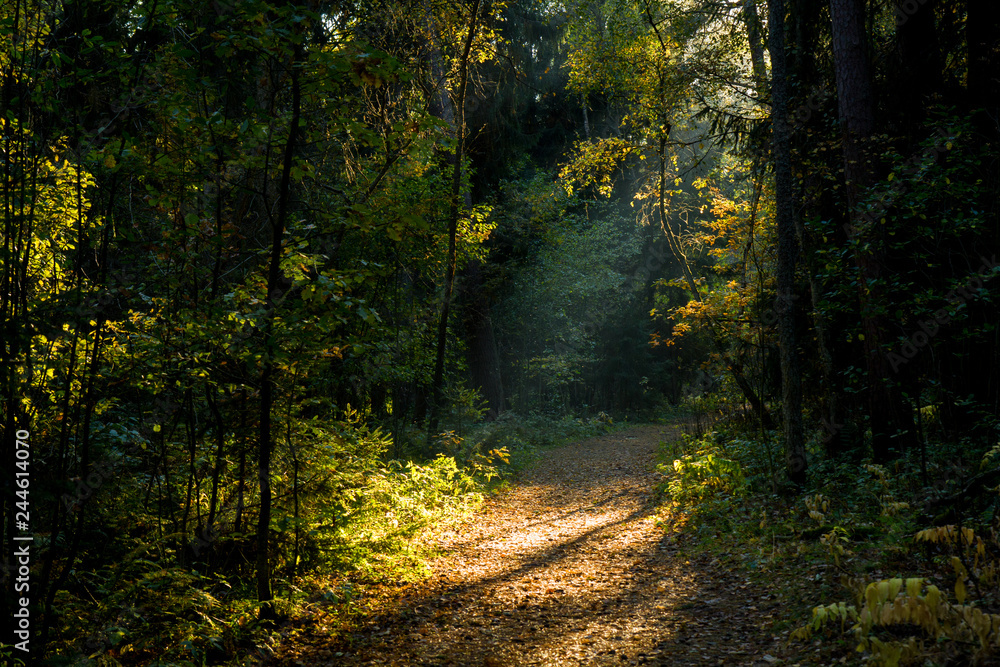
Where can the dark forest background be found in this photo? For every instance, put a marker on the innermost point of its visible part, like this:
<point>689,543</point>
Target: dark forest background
<point>285,286</point>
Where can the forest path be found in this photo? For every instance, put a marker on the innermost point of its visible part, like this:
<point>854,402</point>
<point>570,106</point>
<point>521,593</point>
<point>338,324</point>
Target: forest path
<point>568,567</point>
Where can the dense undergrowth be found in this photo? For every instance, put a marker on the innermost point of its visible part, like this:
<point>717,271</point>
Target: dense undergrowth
<point>895,564</point>
<point>359,530</point>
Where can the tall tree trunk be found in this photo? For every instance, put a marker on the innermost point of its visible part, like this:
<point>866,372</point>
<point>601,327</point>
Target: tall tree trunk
<point>265,595</point>
<point>791,369</point>
<point>803,29</point>
<point>437,384</point>
<point>755,38</point>
<point>890,417</point>
<point>854,91</point>
<point>241,477</point>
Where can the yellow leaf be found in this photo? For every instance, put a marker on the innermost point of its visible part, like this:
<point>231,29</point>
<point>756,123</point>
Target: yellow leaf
<point>900,611</point>
<point>932,598</point>
<point>894,586</point>
<point>886,617</point>
<point>156,428</point>
<point>960,590</point>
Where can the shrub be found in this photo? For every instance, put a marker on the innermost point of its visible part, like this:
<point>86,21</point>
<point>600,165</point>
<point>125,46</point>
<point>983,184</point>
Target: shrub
<point>702,474</point>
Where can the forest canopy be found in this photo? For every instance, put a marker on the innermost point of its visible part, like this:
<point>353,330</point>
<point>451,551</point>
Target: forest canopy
<point>272,271</point>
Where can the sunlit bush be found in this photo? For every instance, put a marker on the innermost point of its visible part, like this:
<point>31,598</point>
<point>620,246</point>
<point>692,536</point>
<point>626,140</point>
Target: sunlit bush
<point>702,473</point>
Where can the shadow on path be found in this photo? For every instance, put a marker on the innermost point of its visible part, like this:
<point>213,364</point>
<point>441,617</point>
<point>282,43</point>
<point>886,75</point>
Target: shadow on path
<point>568,568</point>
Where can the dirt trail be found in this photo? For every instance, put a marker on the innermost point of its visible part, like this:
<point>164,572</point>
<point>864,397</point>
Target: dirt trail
<point>568,567</point>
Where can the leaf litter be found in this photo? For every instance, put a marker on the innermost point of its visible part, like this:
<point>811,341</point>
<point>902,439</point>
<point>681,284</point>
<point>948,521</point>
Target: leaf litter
<point>569,566</point>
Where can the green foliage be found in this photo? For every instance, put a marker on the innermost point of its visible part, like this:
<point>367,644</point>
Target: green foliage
<point>701,485</point>
<point>381,524</point>
<point>206,200</point>
<point>901,622</point>
<point>466,407</point>
<point>10,656</point>
<point>361,518</point>
<point>562,312</point>
<point>853,527</point>
<point>702,475</point>
<point>146,327</point>
<point>941,613</point>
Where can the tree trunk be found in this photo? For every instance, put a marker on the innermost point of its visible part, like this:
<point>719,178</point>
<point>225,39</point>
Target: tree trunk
<point>220,442</point>
<point>241,474</point>
<point>854,91</point>
<point>791,369</point>
<point>265,596</point>
<point>802,32</point>
<point>275,281</point>
<point>437,384</point>
<point>751,20</point>
<point>890,418</point>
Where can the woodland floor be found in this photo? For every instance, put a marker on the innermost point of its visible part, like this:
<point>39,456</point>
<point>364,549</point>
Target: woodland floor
<point>568,567</point>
